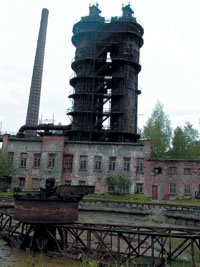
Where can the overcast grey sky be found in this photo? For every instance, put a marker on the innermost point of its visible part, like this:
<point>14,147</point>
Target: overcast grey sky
<point>170,57</point>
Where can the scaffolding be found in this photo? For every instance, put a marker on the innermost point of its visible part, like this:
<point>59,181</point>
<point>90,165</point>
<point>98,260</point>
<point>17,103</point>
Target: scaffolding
<point>105,82</point>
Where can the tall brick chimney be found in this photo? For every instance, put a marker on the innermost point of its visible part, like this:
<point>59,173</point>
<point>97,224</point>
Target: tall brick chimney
<point>34,97</point>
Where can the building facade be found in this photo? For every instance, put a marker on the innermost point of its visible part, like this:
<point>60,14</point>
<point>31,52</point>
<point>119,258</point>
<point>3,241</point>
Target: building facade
<point>171,179</point>
<point>37,159</point>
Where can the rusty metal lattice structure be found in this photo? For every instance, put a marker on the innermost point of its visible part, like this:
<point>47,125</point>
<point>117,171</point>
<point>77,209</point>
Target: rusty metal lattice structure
<point>108,242</point>
<point>105,82</point>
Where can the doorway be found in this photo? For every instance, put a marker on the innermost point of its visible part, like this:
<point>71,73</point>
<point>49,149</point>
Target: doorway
<point>154,192</point>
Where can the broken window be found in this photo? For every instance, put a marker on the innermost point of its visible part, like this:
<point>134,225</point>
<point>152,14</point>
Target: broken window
<point>157,170</point>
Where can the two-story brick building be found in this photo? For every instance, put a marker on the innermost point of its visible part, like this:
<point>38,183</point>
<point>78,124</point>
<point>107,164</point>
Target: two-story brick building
<point>88,163</point>
<point>71,162</point>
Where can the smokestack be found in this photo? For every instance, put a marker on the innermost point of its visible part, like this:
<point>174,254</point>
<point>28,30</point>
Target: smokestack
<point>34,97</point>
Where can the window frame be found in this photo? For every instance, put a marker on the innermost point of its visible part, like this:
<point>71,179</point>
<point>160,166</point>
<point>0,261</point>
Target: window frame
<point>140,165</point>
<point>173,170</point>
<point>188,172</point>
<point>82,182</point>
<point>37,160</point>
<point>67,182</point>
<point>68,160</point>
<point>139,186</point>
<point>112,164</point>
<point>21,182</point>
<point>23,160</point>
<point>187,189</point>
<point>172,189</point>
<point>51,160</point>
<point>98,163</point>
<point>83,162</point>
<point>127,164</point>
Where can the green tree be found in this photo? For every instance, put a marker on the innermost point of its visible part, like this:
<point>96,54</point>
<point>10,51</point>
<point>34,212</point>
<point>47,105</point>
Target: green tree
<point>185,143</point>
<point>158,130</point>
<point>119,182</point>
<point>6,168</point>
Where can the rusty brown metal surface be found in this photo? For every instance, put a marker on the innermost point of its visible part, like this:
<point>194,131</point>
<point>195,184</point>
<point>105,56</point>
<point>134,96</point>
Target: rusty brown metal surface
<point>51,205</point>
<point>45,212</point>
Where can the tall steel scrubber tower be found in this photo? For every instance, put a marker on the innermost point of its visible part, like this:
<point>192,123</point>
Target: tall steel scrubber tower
<point>105,82</point>
<point>35,90</point>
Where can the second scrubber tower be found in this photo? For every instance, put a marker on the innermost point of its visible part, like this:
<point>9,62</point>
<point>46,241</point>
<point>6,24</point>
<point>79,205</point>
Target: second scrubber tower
<point>105,82</point>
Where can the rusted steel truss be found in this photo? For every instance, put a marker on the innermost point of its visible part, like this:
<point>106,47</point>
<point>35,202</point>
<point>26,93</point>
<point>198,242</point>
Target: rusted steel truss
<point>108,242</point>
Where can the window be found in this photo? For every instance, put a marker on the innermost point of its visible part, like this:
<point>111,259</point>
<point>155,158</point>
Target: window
<point>187,171</point>
<point>140,168</point>
<point>187,189</point>
<point>68,163</point>
<point>111,188</point>
<point>21,181</point>
<point>82,182</point>
<point>97,163</point>
<point>112,163</point>
<point>172,170</point>
<point>139,188</point>
<point>35,183</point>
<point>172,188</point>
<point>83,163</point>
<point>51,160</point>
<point>10,157</point>
<point>157,170</point>
<point>68,182</point>
<point>36,162</point>
<point>23,159</point>
<point>127,164</point>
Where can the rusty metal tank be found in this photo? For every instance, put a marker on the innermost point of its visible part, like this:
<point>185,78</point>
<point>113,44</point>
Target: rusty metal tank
<point>51,205</point>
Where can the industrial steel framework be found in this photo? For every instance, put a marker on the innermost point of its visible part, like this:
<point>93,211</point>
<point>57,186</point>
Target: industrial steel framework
<point>108,242</point>
<point>105,82</point>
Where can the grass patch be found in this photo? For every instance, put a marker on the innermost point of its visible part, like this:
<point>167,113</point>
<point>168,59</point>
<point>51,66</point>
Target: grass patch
<point>6,194</point>
<point>140,198</point>
<point>118,197</point>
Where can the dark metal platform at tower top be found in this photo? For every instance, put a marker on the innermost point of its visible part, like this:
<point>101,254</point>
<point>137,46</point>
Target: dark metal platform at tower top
<point>108,243</point>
